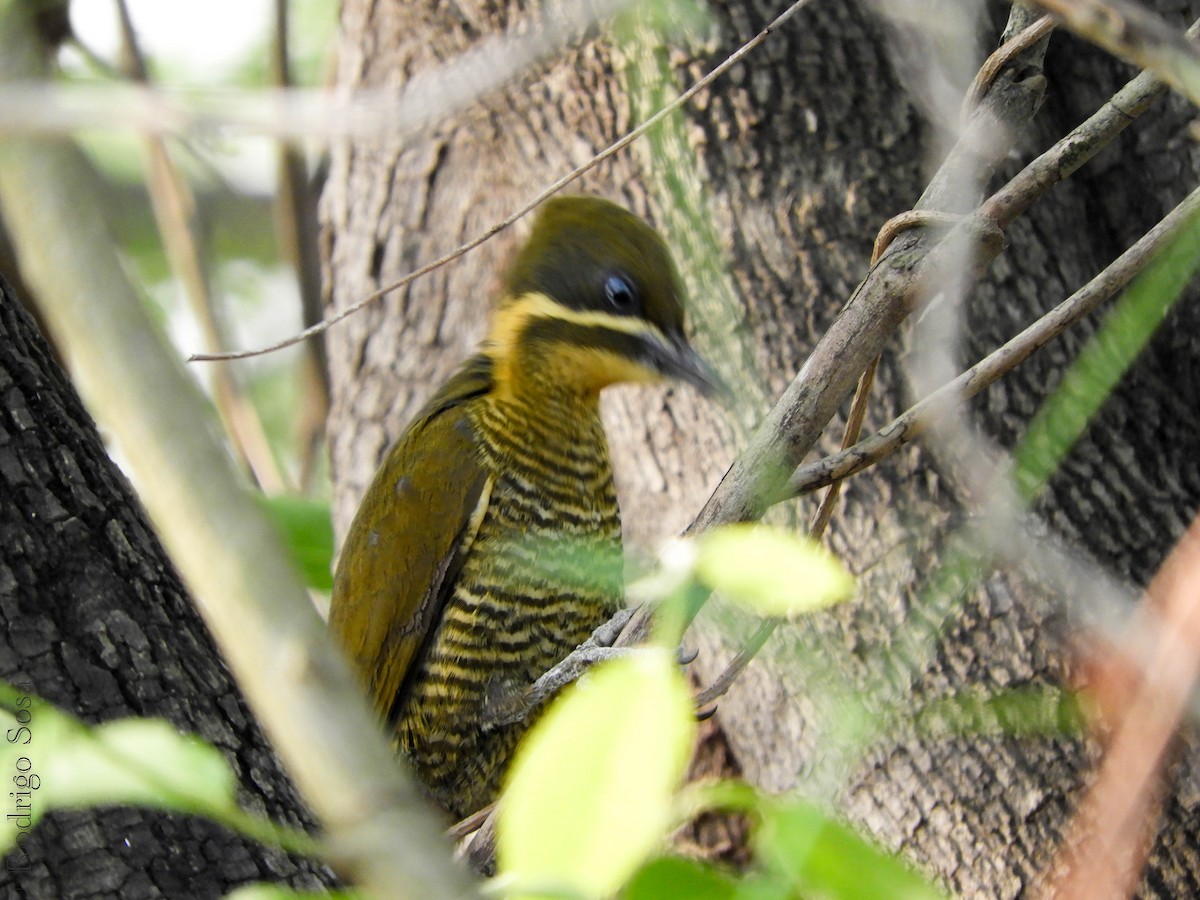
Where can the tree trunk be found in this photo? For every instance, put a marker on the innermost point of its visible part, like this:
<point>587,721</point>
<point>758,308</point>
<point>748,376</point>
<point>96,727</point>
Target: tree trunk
<point>96,621</point>
<point>793,161</point>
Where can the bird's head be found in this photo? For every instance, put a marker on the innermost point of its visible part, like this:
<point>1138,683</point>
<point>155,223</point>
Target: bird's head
<point>593,298</point>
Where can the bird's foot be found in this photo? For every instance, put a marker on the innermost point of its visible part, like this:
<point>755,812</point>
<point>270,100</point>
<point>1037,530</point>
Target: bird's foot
<point>517,705</point>
<point>606,635</point>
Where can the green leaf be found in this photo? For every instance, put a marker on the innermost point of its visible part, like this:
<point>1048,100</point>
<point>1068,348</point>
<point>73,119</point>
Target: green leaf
<point>763,886</point>
<point>141,761</point>
<point>57,762</point>
<point>771,571</point>
<point>307,529</point>
<point>54,761</point>
<point>268,891</point>
<point>823,857</point>
<point>673,878</point>
<point>1024,711</point>
<point>589,791</point>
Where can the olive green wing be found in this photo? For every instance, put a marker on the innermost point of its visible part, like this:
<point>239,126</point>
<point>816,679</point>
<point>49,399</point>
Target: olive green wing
<point>408,538</point>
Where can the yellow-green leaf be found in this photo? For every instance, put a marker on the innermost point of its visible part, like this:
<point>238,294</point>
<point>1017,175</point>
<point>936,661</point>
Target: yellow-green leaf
<point>822,857</point>
<point>673,878</point>
<point>267,891</point>
<point>771,571</point>
<point>307,532</point>
<point>589,792</point>
<point>140,761</point>
<point>53,761</point>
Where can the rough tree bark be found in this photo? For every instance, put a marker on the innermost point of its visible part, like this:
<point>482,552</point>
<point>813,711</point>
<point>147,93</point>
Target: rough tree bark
<point>94,619</point>
<point>805,149</point>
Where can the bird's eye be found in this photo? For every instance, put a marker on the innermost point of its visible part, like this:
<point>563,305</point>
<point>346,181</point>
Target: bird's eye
<point>620,293</point>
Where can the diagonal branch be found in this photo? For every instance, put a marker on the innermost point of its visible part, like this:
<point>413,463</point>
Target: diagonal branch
<point>883,300</point>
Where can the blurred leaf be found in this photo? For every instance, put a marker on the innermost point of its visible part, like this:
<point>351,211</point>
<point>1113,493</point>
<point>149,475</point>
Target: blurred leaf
<point>1028,711</point>
<point>674,878</point>
<point>665,19</point>
<point>307,529</point>
<point>764,886</point>
<point>825,858</point>
<point>589,791</point>
<point>267,891</point>
<point>58,762</point>
<point>62,763</point>
<point>140,761</point>
<point>772,571</point>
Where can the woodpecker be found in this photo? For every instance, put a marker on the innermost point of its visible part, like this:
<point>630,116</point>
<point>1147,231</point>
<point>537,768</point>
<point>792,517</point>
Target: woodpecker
<point>488,545</point>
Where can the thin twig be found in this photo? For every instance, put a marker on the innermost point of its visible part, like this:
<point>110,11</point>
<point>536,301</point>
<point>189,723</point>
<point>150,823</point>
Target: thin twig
<point>858,413</point>
<point>174,208</point>
<point>296,227</point>
<point>543,195</point>
<point>722,683</point>
<point>912,218</point>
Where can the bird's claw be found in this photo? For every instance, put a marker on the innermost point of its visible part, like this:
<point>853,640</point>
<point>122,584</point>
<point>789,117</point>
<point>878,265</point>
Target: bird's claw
<point>517,705</point>
<point>606,635</point>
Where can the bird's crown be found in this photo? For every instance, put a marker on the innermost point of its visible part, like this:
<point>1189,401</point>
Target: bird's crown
<point>594,295</point>
<point>588,254</point>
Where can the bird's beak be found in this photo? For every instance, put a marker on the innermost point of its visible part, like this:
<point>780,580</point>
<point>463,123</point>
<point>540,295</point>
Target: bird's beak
<point>676,358</point>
